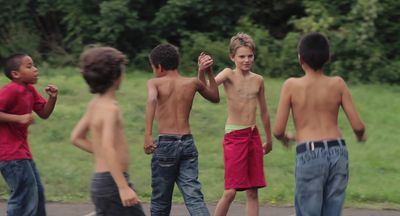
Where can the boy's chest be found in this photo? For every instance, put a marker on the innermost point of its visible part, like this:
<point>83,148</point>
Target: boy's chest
<point>243,87</point>
<point>23,103</point>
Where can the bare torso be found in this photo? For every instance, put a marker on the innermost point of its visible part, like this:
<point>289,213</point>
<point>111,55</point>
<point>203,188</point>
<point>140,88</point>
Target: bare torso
<point>315,103</point>
<point>100,107</point>
<point>174,103</point>
<point>242,96</point>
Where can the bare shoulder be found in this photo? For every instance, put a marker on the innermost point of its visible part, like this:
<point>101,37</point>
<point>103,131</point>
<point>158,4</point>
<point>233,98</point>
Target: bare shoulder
<point>338,82</point>
<point>225,72</point>
<point>256,76</point>
<point>291,82</point>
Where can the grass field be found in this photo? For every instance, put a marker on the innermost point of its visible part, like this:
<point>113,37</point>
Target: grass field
<point>66,170</point>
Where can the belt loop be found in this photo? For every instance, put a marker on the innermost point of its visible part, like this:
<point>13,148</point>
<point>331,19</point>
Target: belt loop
<point>326,144</point>
<point>340,142</point>
<point>308,145</point>
<point>312,146</point>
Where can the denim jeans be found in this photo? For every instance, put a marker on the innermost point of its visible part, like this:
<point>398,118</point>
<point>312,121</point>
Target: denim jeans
<point>175,159</point>
<point>27,193</point>
<point>105,196</point>
<point>321,179</point>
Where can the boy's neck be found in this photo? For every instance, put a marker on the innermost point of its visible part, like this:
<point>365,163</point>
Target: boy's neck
<point>20,82</point>
<point>311,72</point>
<point>171,73</point>
<point>110,93</point>
<point>242,71</point>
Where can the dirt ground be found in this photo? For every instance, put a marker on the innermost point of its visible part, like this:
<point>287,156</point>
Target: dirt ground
<point>85,209</point>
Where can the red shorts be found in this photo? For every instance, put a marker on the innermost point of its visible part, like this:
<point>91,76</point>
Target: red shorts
<point>244,159</point>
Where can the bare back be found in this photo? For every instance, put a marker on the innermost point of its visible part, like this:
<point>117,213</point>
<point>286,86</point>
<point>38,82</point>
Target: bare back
<point>315,106</point>
<point>242,93</point>
<point>101,113</point>
<point>174,102</point>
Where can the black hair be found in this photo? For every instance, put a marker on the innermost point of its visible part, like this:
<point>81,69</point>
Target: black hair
<point>101,66</point>
<point>314,49</point>
<point>12,63</point>
<point>165,55</point>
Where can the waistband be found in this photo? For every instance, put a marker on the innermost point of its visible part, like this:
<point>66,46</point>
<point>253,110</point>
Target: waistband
<point>311,145</point>
<point>234,127</point>
<point>105,175</point>
<point>173,137</point>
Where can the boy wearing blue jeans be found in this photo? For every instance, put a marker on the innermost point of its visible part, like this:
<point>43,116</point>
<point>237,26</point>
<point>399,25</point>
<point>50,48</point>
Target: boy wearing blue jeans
<point>175,157</point>
<point>17,101</point>
<point>321,153</point>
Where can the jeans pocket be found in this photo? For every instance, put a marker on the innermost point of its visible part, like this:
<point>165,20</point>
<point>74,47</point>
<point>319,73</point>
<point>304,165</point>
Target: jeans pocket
<point>165,155</point>
<point>310,178</point>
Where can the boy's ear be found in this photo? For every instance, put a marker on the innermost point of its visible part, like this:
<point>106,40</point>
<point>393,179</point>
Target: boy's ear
<point>232,58</point>
<point>15,74</point>
<point>300,59</point>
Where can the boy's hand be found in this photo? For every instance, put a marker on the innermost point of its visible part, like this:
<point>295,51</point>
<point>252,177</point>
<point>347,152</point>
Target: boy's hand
<point>149,145</point>
<point>287,139</point>
<point>204,62</point>
<point>267,147</point>
<point>128,197</point>
<point>52,90</point>
<point>26,119</point>
<point>362,139</point>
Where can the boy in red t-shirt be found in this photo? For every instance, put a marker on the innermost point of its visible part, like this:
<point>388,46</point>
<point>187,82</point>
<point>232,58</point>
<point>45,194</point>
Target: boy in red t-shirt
<point>17,101</point>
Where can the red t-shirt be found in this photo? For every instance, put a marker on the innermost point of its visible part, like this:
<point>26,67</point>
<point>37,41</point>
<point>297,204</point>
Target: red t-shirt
<point>17,99</point>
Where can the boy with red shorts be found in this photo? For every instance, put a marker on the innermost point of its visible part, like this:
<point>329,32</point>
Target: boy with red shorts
<point>243,149</point>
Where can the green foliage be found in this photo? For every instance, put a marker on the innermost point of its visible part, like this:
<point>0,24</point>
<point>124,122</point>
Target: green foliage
<point>363,34</point>
<point>19,39</point>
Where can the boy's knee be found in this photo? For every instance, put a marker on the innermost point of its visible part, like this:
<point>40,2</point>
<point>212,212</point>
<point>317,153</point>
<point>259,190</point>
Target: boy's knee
<point>252,194</point>
<point>230,194</point>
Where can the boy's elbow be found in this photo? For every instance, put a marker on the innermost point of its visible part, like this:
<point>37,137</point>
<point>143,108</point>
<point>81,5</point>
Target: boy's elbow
<point>74,139</point>
<point>215,99</point>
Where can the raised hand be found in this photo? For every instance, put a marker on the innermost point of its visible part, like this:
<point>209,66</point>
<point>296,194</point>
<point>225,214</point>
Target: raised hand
<point>52,90</point>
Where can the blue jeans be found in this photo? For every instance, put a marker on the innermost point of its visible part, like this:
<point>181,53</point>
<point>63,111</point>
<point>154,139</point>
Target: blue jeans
<point>321,178</point>
<point>105,197</point>
<point>27,193</point>
<point>175,159</point>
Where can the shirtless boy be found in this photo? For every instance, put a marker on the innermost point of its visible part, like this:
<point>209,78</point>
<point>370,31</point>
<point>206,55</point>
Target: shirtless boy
<point>112,192</point>
<point>321,153</point>
<point>175,157</point>
<point>243,149</point>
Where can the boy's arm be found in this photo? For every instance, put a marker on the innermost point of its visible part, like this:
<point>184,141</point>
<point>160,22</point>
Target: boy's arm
<point>21,119</point>
<point>210,91</point>
<point>351,113</point>
<point>150,112</point>
<point>282,115</point>
<point>109,131</point>
<point>79,134</point>
<point>265,118</point>
<point>48,108</point>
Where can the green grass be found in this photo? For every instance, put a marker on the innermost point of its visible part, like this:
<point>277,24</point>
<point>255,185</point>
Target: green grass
<point>66,170</point>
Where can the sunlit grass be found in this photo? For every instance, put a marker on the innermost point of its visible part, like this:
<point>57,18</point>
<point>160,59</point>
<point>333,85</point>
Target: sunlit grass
<point>66,170</point>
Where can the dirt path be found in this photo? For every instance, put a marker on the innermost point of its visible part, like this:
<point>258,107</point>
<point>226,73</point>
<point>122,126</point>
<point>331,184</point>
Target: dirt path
<point>82,209</point>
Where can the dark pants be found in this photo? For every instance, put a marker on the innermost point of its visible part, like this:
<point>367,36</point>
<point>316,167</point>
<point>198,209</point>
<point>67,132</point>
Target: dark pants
<point>106,199</point>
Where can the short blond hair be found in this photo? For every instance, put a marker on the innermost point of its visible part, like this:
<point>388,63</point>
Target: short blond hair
<point>239,40</point>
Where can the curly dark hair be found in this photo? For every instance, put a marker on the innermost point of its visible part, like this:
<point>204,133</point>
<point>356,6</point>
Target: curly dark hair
<point>101,66</point>
<point>165,55</point>
<point>12,63</point>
